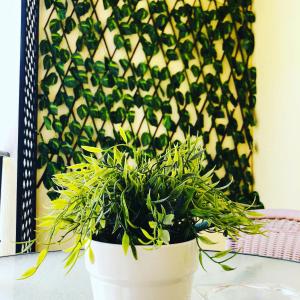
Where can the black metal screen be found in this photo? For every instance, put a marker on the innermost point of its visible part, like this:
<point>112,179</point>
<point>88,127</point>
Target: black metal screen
<point>26,185</point>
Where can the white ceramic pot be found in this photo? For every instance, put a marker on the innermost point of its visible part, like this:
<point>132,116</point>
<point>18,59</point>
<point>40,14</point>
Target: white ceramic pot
<point>165,273</point>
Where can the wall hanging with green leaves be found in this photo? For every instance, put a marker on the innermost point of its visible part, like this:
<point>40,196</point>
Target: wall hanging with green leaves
<point>159,69</point>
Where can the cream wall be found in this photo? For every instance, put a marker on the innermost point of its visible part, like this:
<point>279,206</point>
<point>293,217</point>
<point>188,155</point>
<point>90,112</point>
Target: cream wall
<point>10,25</point>
<point>277,58</point>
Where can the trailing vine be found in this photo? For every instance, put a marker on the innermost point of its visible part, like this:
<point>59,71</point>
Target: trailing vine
<point>160,69</point>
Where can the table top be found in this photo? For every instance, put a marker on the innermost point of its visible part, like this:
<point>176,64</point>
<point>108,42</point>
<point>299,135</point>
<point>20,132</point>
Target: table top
<point>254,278</point>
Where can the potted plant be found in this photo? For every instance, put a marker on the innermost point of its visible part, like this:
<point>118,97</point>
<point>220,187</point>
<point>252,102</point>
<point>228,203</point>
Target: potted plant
<point>141,220</point>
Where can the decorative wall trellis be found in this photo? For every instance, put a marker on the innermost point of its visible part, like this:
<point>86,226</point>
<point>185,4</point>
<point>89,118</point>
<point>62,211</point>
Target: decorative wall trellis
<point>159,69</point>
<point>27,141</point>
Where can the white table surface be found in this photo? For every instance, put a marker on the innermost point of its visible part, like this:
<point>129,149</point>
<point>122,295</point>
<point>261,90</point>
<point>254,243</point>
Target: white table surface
<point>255,278</point>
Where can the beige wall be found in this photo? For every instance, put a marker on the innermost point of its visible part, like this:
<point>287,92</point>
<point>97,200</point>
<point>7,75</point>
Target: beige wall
<point>277,136</point>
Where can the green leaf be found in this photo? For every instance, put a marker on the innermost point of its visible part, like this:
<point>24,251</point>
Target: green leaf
<point>125,242</point>
<point>151,117</point>
<point>113,68</point>
<point>91,255</point>
<point>118,116</point>
<point>155,72</point>
<point>91,149</point>
<point>45,47</point>
<point>42,256</point>
<point>80,75</point>
<point>54,25</point>
<point>228,46</point>
<point>50,79</point>
<point>205,240</point>
<point>48,123</point>
<point>99,97</point>
<point>75,127</point>
<point>53,109</point>
<point>64,55</point>
<point>41,161</point>
<point>177,79</point>
<point>99,67</point>
<point>77,59</point>
<point>140,14</point>
<point>111,24</point>
<point>60,69</point>
<point>161,21</point>
<point>168,219</point>
<point>87,94</point>
<point>107,81</point>
<point>70,81</point>
<point>82,8</point>
<point>89,131</point>
<point>98,27</point>
<point>168,39</point>
<point>171,54</point>
<point>95,79</point>
<point>168,123</point>
<point>119,41</point>
<point>124,63</point>
<point>146,139</point>
<point>222,253</point>
<point>69,137</point>
<point>103,114</point>
<point>80,43</point>
<point>70,25</point>
<point>48,3</point>
<point>69,101</point>
<point>54,148</point>
<point>141,69</point>
<point>123,134</point>
<point>82,111</point>
<point>161,141</point>
<point>28,273</point>
<point>226,268</point>
<point>47,62</point>
<point>56,38</point>
<point>61,13</point>
<point>57,126</point>
<point>195,70</point>
<point>146,234</point>
<point>85,26</point>
<point>121,83</point>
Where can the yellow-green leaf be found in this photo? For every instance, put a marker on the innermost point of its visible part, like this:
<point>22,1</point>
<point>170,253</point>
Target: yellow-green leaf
<point>91,255</point>
<point>59,204</point>
<point>227,268</point>
<point>206,240</point>
<point>41,256</point>
<point>28,273</point>
<point>222,253</point>
<point>201,260</point>
<point>72,258</point>
<point>146,234</point>
<point>252,213</point>
<point>78,166</point>
<point>91,149</point>
<point>123,135</point>
<point>125,242</point>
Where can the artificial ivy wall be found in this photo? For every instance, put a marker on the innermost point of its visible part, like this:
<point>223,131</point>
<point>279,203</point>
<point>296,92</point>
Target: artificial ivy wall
<point>159,69</point>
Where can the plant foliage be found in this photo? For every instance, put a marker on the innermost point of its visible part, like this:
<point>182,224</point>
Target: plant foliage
<point>120,195</point>
<point>212,93</point>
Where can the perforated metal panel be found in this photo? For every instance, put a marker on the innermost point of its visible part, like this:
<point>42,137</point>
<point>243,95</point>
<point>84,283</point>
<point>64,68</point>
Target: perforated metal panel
<point>26,190</point>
